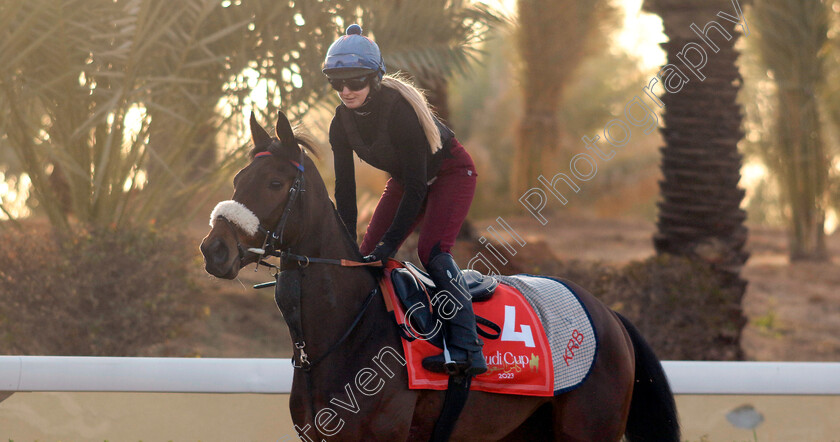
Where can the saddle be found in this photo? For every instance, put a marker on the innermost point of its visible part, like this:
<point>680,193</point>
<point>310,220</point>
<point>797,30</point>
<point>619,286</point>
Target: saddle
<point>409,282</point>
<point>411,285</point>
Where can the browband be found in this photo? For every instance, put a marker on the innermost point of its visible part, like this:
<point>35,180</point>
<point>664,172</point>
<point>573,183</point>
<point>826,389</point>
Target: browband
<point>266,153</point>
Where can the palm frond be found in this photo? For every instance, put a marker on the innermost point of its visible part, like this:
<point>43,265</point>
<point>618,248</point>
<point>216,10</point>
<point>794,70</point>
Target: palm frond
<point>94,94</point>
<point>431,39</point>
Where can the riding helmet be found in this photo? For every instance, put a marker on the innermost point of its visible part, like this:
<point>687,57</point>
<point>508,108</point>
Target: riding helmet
<point>353,55</point>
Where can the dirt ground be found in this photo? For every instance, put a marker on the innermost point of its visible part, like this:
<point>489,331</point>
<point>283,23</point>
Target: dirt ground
<point>793,310</point>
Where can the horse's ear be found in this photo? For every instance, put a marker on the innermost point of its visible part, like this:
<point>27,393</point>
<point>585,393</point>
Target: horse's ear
<point>258,134</point>
<point>285,133</point>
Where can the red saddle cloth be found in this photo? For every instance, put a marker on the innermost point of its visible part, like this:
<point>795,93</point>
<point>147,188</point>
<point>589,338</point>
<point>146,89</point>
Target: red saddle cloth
<point>519,362</point>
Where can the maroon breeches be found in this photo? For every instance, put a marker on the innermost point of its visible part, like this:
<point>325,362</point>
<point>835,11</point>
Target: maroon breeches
<point>447,203</point>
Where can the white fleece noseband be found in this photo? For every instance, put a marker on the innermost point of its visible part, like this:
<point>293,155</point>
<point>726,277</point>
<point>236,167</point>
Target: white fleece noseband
<point>238,214</point>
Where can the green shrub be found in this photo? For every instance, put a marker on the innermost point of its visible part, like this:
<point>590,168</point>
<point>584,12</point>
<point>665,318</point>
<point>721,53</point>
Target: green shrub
<point>100,293</point>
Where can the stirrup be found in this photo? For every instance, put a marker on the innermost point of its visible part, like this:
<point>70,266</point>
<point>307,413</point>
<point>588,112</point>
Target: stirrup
<point>450,365</point>
<point>436,364</point>
<point>443,363</point>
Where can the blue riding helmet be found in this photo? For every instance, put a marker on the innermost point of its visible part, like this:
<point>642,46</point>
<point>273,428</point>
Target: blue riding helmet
<point>353,55</point>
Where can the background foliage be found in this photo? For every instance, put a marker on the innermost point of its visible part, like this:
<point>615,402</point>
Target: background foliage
<point>653,294</point>
<point>112,108</point>
<point>111,293</point>
<point>792,53</point>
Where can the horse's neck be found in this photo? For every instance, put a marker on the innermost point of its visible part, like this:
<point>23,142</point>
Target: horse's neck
<point>331,295</point>
<point>331,298</point>
<point>326,238</point>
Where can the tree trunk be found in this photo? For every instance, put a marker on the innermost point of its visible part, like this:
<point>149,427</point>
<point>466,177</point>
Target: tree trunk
<point>553,38</point>
<point>792,41</point>
<point>537,136</point>
<point>699,213</point>
<point>805,174</point>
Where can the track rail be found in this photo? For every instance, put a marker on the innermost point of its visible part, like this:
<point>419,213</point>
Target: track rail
<point>229,375</point>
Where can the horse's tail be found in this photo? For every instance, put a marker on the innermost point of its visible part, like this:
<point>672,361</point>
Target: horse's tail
<point>653,412</point>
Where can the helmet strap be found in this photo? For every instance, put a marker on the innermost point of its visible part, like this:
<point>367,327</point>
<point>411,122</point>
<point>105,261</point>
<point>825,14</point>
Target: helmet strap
<point>375,82</point>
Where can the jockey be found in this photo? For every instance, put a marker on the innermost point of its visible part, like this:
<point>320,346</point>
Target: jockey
<point>388,124</point>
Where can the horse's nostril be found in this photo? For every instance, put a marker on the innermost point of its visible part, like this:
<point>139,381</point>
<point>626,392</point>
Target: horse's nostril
<point>218,251</point>
<point>215,252</point>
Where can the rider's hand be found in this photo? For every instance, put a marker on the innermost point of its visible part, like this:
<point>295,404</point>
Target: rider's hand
<point>380,253</point>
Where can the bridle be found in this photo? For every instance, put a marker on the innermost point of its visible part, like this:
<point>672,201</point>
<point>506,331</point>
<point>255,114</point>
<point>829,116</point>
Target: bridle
<point>273,238</point>
<point>269,246</point>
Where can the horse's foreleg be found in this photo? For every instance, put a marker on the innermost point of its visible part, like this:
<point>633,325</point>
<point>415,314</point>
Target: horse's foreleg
<point>391,419</point>
<point>426,410</point>
<point>486,416</point>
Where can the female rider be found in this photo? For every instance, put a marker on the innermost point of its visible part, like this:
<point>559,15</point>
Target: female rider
<point>388,124</point>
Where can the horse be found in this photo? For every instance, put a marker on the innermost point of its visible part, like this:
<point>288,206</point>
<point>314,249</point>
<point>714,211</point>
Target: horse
<point>349,383</point>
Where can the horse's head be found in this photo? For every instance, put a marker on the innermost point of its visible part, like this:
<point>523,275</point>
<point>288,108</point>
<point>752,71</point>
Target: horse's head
<point>265,208</point>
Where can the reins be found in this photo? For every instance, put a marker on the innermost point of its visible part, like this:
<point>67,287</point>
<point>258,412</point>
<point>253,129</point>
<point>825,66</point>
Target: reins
<point>306,260</point>
<point>269,248</point>
<point>304,358</point>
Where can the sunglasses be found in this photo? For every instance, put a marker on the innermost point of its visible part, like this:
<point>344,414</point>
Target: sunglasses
<point>354,84</point>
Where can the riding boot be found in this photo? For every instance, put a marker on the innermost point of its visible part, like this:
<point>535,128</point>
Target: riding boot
<point>459,331</point>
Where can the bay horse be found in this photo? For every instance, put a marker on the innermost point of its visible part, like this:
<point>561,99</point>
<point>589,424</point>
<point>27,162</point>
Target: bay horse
<point>349,383</point>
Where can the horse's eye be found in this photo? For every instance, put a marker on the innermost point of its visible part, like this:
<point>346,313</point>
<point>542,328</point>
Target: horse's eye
<point>276,185</point>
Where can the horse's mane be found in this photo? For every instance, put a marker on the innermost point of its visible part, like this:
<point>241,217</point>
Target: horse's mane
<point>350,237</point>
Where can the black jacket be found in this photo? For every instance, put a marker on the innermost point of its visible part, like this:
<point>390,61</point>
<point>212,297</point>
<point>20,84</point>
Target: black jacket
<point>385,133</point>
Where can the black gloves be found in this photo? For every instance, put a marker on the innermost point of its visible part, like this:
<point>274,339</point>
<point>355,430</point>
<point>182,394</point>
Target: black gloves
<point>380,253</point>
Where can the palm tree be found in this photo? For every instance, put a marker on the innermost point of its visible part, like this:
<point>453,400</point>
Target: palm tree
<point>553,37</point>
<point>792,44</point>
<point>107,103</point>
<point>112,107</point>
<point>700,214</point>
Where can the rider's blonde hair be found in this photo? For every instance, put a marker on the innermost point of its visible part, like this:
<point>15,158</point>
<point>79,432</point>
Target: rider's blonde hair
<point>419,103</point>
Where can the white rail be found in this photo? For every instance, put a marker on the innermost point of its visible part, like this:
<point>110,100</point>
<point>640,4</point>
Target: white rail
<point>173,375</point>
<point>787,378</point>
<point>206,375</point>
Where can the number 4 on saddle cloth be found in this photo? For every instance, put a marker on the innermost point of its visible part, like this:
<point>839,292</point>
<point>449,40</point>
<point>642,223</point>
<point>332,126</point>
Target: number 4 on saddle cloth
<point>546,347</point>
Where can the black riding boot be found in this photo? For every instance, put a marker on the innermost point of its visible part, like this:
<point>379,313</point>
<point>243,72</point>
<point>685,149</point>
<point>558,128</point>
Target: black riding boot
<point>459,331</point>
